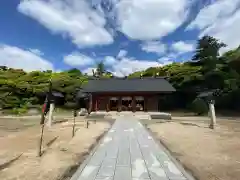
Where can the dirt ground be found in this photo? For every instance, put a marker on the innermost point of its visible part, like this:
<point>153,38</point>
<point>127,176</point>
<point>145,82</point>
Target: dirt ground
<point>61,152</point>
<point>207,154</point>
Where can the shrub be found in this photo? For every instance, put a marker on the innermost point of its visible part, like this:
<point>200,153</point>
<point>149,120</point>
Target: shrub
<point>19,111</point>
<point>199,106</point>
<point>68,106</point>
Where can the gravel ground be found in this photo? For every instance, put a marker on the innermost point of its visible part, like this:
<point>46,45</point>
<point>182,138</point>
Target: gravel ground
<point>208,154</point>
<point>18,149</point>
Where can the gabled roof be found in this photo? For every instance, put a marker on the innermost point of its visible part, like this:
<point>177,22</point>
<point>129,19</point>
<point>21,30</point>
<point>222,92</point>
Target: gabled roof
<point>210,93</point>
<point>54,93</point>
<point>128,85</point>
<point>57,94</point>
<point>81,94</point>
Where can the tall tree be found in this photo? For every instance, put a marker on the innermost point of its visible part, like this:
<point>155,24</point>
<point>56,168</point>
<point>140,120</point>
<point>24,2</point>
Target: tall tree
<point>74,72</point>
<point>207,52</point>
<point>100,68</point>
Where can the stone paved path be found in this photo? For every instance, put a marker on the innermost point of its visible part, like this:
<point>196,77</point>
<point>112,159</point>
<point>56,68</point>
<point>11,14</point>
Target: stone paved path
<point>128,152</point>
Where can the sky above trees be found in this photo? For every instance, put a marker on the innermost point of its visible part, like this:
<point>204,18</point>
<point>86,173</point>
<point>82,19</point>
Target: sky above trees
<point>127,35</point>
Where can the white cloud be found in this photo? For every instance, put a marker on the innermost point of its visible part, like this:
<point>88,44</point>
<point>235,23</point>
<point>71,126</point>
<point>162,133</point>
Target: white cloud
<point>212,13</point>
<point>150,19</point>
<point>78,59</point>
<point>18,58</point>
<point>37,52</point>
<point>109,60</point>
<point>227,30</point>
<point>182,47</point>
<point>165,60</point>
<point>154,47</point>
<point>220,20</point>
<point>127,65</point>
<point>89,71</point>
<point>73,18</point>
<point>58,70</point>
<point>122,53</point>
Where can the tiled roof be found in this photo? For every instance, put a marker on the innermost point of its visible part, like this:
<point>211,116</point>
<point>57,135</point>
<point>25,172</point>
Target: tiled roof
<point>128,85</point>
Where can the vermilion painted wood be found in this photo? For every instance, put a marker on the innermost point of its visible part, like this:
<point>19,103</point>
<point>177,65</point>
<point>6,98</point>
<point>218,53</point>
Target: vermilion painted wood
<point>147,102</point>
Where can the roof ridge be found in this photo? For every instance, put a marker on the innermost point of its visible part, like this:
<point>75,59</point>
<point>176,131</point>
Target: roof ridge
<point>147,84</point>
<point>120,78</point>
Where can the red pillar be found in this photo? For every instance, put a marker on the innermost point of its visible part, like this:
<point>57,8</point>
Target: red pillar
<point>119,104</point>
<point>145,103</point>
<point>90,105</point>
<point>108,104</point>
<point>133,104</point>
<point>96,104</point>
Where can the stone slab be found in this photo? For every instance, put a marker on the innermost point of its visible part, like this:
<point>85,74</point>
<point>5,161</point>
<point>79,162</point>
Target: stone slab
<point>129,152</point>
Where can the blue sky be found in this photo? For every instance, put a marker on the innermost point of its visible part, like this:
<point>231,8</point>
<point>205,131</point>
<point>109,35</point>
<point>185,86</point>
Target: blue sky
<point>128,35</point>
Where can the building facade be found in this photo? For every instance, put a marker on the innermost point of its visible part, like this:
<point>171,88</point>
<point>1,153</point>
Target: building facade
<point>121,94</point>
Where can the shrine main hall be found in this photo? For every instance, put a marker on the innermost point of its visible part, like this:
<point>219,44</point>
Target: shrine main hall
<point>127,94</point>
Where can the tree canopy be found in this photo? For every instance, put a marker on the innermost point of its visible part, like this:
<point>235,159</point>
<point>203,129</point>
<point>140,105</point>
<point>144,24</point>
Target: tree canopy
<point>206,70</point>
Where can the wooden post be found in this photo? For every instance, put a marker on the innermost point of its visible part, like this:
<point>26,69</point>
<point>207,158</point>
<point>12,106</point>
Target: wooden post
<point>89,110</point>
<point>86,122</point>
<point>50,115</point>
<point>44,111</point>
<point>74,122</point>
<point>73,129</point>
<point>212,115</point>
<point>41,136</point>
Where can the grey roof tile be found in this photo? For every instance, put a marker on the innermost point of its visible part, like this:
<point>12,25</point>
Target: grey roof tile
<point>129,85</point>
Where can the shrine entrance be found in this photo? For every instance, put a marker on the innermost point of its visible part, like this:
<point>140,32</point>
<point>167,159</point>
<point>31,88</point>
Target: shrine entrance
<point>127,104</point>
<point>124,102</point>
<point>113,104</point>
<point>140,104</point>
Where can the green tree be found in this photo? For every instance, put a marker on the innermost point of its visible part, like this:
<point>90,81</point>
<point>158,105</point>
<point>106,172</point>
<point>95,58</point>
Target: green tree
<point>207,52</point>
<point>74,72</point>
<point>199,106</point>
<point>19,89</point>
<point>100,69</point>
